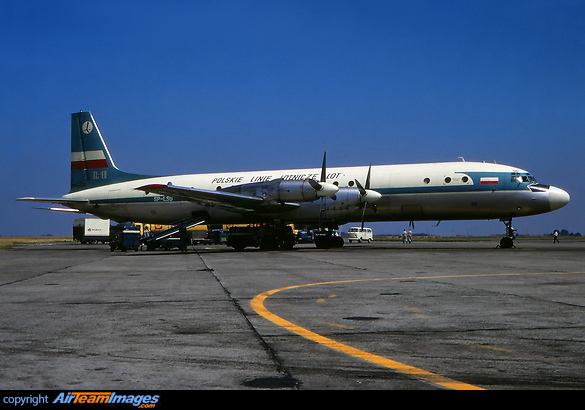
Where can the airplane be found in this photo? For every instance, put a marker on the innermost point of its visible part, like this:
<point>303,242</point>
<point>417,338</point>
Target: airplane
<point>320,197</point>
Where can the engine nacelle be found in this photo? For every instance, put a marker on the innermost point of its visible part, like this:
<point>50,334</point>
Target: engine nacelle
<point>281,191</point>
<point>346,205</point>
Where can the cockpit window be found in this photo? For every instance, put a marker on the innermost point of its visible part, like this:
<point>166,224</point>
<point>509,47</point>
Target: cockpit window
<point>522,178</point>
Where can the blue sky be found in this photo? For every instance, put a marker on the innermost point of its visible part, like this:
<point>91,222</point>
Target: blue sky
<point>204,86</point>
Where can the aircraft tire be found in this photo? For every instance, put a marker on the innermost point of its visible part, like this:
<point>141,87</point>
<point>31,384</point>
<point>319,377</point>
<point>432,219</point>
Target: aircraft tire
<point>322,243</point>
<point>286,244</point>
<point>506,243</point>
<point>328,242</point>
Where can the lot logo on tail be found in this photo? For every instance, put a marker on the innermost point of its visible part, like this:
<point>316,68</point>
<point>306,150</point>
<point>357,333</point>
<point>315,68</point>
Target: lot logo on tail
<point>87,127</point>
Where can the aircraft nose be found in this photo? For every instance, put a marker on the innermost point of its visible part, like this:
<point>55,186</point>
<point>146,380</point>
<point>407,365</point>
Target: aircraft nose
<point>557,198</point>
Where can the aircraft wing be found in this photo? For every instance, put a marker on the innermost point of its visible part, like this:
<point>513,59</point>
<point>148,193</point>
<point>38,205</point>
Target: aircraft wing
<point>220,199</point>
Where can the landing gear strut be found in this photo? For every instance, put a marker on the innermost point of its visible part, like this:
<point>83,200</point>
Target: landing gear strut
<point>507,241</point>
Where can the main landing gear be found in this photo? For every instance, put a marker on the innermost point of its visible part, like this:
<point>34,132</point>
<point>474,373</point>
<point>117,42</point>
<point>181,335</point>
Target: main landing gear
<point>328,238</point>
<point>265,237</point>
<point>507,241</point>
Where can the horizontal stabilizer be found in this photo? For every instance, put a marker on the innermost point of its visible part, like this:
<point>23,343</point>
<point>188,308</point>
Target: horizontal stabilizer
<point>61,210</point>
<point>61,201</point>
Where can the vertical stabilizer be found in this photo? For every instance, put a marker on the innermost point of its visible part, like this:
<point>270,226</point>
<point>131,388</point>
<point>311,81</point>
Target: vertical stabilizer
<point>91,162</point>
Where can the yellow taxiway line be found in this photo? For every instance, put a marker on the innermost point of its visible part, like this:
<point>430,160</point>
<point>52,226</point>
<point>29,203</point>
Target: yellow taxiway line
<point>258,305</point>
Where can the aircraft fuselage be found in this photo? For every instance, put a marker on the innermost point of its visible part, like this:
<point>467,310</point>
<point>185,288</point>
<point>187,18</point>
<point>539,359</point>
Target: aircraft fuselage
<point>410,192</point>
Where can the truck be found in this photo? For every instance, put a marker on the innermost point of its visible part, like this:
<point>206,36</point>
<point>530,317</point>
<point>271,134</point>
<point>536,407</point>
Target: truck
<point>91,230</point>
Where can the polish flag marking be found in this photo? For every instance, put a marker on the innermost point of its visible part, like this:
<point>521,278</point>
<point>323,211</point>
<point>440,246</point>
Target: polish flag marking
<point>489,181</point>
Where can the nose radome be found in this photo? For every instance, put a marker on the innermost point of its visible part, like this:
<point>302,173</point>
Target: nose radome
<point>557,198</point>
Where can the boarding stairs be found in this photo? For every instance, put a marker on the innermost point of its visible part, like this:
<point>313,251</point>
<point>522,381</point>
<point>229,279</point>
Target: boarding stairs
<point>177,226</point>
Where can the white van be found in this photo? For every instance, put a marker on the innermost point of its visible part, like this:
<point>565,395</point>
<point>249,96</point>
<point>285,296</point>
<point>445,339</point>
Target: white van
<point>359,234</point>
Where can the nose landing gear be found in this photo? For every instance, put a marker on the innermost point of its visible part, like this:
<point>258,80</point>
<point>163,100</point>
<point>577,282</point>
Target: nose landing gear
<point>507,241</point>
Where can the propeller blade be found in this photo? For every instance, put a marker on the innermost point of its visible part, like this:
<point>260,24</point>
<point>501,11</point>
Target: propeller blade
<point>368,195</point>
<point>360,187</point>
<point>363,194</point>
<point>364,213</point>
<point>368,177</point>
<point>324,167</point>
<point>316,186</point>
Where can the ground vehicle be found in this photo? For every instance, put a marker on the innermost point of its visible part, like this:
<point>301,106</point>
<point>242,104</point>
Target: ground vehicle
<point>91,230</point>
<point>125,237</point>
<point>360,234</point>
<point>304,237</point>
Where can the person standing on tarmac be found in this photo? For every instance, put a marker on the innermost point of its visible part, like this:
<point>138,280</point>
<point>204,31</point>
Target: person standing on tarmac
<point>184,236</point>
<point>556,236</point>
<point>147,234</point>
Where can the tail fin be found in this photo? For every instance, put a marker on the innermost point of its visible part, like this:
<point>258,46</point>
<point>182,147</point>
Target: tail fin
<point>91,162</point>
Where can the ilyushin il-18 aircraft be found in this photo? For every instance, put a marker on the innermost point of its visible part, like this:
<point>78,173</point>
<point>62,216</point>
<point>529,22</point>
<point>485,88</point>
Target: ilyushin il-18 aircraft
<point>322,198</point>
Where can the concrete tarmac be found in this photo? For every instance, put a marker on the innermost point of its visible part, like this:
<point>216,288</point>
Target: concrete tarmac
<point>385,315</point>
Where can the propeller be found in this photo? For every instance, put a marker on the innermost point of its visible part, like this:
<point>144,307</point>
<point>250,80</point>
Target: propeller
<point>368,195</point>
<point>323,178</point>
<point>322,187</point>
